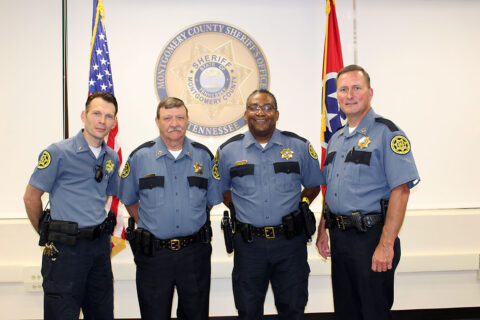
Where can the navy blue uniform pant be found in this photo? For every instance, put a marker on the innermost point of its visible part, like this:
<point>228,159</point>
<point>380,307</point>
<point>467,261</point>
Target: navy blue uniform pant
<point>279,261</point>
<point>187,269</point>
<point>358,292</point>
<point>80,278</point>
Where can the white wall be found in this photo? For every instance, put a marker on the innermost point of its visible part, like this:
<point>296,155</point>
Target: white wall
<point>421,55</point>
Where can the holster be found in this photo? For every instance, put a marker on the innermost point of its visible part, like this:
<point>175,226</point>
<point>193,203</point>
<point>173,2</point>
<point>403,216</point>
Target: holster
<point>130,234</point>
<point>205,232</point>
<point>246,232</point>
<point>43,224</point>
<point>144,241</point>
<point>293,224</point>
<point>308,219</point>
<point>108,225</point>
<point>227,228</point>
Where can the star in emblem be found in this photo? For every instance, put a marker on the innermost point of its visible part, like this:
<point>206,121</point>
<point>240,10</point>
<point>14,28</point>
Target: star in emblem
<point>363,142</point>
<point>198,168</point>
<point>239,74</point>
<point>287,153</point>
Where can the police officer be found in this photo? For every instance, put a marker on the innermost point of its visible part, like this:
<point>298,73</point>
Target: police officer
<point>78,173</point>
<point>262,172</point>
<point>369,170</point>
<point>166,187</point>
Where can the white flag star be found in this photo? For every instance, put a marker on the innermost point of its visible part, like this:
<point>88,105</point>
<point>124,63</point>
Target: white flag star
<point>99,51</point>
<point>107,72</point>
<point>99,76</point>
<point>95,66</point>
<point>103,61</point>
<point>101,36</point>
<point>91,82</point>
<point>104,87</point>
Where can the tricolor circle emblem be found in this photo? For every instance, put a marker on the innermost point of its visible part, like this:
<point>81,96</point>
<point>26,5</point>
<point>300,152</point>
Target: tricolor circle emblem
<point>212,67</point>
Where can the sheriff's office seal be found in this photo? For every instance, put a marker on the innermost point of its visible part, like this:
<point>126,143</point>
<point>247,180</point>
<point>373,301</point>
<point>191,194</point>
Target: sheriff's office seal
<point>212,67</point>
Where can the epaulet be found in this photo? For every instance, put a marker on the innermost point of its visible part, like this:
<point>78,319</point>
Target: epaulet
<point>388,123</point>
<point>234,138</point>
<point>201,146</point>
<point>144,145</point>
<point>293,135</point>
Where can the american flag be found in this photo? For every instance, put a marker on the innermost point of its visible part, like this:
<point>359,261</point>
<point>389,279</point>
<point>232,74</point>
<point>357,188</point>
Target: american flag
<point>332,117</point>
<point>100,79</point>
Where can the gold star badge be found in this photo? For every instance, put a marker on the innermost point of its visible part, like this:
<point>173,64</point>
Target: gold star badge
<point>287,153</point>
<point>198,168</point>
<point>363,142</point>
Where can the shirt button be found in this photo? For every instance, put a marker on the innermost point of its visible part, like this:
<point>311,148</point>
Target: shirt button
<point>266,200</point>
<point>176,193</point>
<point>268,217</point>
<point>178,227</point>
<point>335,194</point>
<point>175,177</point>
<point>337,174</point>
<point>343,156</point>
<point>177,209</point>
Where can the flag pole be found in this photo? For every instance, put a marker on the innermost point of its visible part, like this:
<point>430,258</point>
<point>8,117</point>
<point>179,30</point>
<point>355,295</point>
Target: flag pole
<point>64,69</point>
<point>355,44</point>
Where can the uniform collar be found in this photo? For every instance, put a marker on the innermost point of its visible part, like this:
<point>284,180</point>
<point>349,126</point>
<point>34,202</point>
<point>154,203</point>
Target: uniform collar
<point>161,148</point>
<point>364,125</point>
<point>250,140</point>
<point>81,144</point>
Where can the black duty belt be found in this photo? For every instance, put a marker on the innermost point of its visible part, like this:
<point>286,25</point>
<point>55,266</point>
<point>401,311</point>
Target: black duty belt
<point>265,232</point>
<point>175,244</point>
<point>357,220</point>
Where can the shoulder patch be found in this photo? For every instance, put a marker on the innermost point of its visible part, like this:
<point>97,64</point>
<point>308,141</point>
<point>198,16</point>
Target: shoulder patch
<point>201,146</point>
<point>388,123</point>
<point>293,135</point>
<point>44,160</point>
<point>144,145</point>
<point>234,138</point>
<point>400,145</point>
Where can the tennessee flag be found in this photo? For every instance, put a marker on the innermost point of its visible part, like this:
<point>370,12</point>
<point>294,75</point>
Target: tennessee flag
<point>332,117</point>
<point>100,79</point>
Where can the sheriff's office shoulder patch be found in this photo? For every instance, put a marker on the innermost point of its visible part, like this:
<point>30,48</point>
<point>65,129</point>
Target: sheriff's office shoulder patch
<point>44,160</point>
<point>312,152</point>
<point>215,172</point>
<point>400,145</point>
<point>126,170</point>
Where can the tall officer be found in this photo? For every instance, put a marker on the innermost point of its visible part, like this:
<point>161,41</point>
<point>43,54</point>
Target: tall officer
<point>369,169</point>
<point>262,173</point>
<point>166,185</point>
<point>78,173</point>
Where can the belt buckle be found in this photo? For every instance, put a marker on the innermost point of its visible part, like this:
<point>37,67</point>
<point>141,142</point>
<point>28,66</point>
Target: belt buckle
<point>269,232</point>
<point>174,244</point>
<point>340,222</point>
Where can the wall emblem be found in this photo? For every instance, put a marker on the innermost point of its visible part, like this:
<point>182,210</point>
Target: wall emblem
<point>212,67</point>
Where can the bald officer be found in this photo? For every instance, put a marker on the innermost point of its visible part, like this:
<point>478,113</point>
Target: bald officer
<point>262,173</point>
<point>78,173</point>
<point>369,170</point>
<point>168,188</point>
